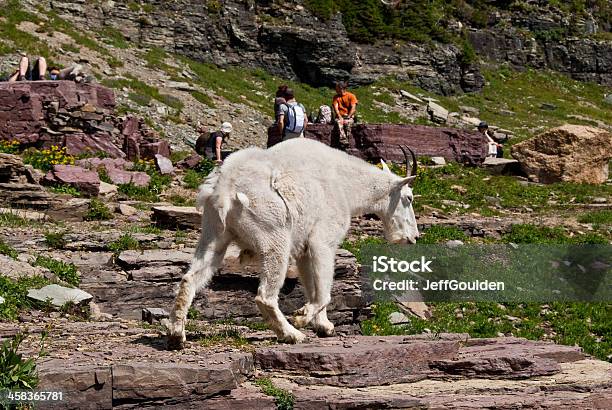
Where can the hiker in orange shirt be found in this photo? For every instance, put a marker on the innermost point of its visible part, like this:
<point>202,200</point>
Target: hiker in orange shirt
<point>345,107</point>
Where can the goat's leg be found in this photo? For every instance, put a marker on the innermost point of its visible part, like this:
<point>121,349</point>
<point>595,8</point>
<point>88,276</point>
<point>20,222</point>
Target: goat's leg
<point>322,260</point>
<point>305,314</point>
<point>273,274</point>
<point>317,269</point>
<point>208,258</point>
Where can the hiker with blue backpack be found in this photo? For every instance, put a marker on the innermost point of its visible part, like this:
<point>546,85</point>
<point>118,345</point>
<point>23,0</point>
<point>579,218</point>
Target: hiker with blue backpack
<point>292,118</point>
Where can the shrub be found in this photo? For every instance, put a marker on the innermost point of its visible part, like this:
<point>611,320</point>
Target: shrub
<point>6,249</point>
<point>16,372</point>
<point>194,177</point>
<point>284,400</point>
<point>9,147</point>
<point>15,294</point>
<point>65,189</point>
<point>45,159</point>
<point>55,240</point>
<point>124,243</point>
<point>203,98</point>
<point>65,271</point>
<point>98,211</point>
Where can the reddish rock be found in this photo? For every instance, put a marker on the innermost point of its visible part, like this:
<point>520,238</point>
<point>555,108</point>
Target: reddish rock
<point>119,177</point>
<point>177,217</point>
<point>164,165</point>
<point>107,163</point>
<point>131,147</point>
<point>374,142</point>
<point>130,126</point>
<point>358,361</point>
<point>150,149</point>
<point>190,162</point>
<point>85,144</point>
<point>84,180</point>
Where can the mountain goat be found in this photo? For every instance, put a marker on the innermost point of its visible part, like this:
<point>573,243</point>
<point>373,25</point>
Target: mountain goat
<point>293,201</point>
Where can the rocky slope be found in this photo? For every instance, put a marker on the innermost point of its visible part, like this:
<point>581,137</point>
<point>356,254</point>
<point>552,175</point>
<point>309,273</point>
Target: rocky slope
<point>287,40</point>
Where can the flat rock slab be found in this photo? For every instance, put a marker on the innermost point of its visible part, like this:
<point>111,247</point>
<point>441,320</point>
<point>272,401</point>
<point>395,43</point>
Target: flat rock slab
<point>177,217</point>
<point>371,361</point>
<point>358,361</point>
<point>59,295</point>
<point>585,384</point>
<point>119,364</point>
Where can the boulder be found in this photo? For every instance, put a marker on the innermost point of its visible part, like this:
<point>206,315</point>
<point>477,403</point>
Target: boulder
<point>374,142</point>
<point>438,113</point>
<point>501,166</point>
<point>571,153</point>
<point>164,165</point>
<point>190,162</point>
<point>150,149</point>
<point>77,144</point>
<point>177,217</point>
<point>59,295</point>
<point>108,190</point>
<point>13,170</point>
<point>120,177</point>
<point>16,269</point>
<point>84,180</point>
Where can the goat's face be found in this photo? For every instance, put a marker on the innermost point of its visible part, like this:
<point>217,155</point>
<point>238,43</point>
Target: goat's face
<point>398,218</point>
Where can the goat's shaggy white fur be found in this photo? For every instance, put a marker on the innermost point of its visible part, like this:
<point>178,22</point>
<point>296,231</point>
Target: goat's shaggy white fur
<point>292,202</point>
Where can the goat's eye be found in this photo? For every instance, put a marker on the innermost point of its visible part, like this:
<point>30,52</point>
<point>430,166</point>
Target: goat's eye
<point>406,200</point>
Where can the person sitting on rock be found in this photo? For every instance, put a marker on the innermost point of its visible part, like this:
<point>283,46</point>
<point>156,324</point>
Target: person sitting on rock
<point>495,149</point>
<point>209,146</point>
<point>344,104</point>
<point>25,73</point>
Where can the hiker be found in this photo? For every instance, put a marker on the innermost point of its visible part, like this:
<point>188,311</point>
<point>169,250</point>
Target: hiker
<point>292,118</point>
<point>495,149</point>
<point>25,73</point>
<point>345,107</point>
<point>209,146</point>
<point>38,71</point>
<point>279,100</point>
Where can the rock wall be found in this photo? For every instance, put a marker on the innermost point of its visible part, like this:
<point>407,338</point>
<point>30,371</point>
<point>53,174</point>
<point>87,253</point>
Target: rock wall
<point>280,37</point>
<point>285,39</point>
<point>374,142</point>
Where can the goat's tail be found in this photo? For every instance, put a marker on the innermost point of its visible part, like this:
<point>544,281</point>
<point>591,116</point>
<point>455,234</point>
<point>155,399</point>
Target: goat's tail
<point>221,196</point>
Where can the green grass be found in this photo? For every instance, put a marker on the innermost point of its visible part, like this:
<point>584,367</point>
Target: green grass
<point>8,250</point>
<point>439,234</point>
<point>66,189</point>
<point>603,217</point>
<point>142,91</point>
<point>124,243</point>
<point>12,220</point>
<point>65,271</point>
<point>203,98</point>
<point>114,37</point>
<point>15,293</point>
<point>354,247</point>
<point>284,399</point>
<point>435,185</point>
<point>584,324</point>
<point>147,229</point>
<point>526,233</point>
<point>55,240</point>
<point>98,211</point>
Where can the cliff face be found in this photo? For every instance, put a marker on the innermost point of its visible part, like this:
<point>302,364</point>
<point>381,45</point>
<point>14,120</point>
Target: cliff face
<point>288,41</point>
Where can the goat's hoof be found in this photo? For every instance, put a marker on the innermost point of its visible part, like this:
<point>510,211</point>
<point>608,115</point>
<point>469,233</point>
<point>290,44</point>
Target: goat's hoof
<point>176,342</point>
<point>325,332</point>
<point>293,338</point>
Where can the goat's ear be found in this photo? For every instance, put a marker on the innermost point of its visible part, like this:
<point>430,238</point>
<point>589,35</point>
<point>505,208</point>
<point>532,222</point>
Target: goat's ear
<point>384,166</point>
<point>406,181</point>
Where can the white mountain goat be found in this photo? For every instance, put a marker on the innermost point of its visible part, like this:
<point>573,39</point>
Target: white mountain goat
<point>293,201</point>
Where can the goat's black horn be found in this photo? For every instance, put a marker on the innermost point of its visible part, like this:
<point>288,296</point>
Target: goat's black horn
<point>413,170</point>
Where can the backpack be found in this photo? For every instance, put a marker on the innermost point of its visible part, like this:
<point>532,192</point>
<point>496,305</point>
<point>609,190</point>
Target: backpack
<point>295,118</point>
<point>325,115</point>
